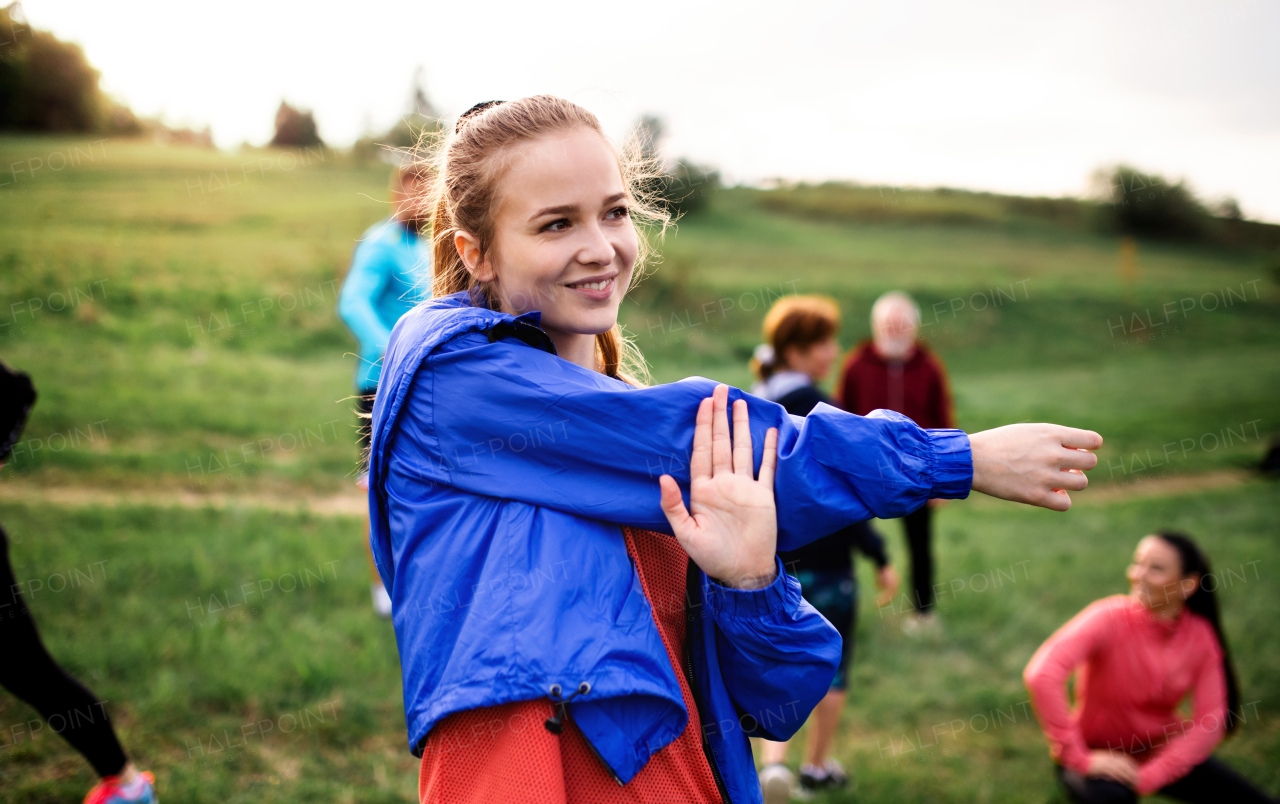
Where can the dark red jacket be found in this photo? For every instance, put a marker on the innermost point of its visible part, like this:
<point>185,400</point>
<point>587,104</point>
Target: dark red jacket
<point>916,388</point>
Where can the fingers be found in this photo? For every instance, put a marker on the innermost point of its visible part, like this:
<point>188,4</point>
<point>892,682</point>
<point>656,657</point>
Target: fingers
<point>700,461</point>
<point>1055,500</point>
<point>673,505</point>
<point>1078,459</point>
<point>721,452</point>
<point>1073,480</point>
<point>744,460</point>
<point>1074,438</point>
<point>769,461</point>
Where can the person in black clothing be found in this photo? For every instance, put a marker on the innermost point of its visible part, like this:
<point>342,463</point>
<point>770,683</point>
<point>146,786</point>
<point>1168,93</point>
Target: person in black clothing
<point>29,672</point>
<point>800,349</point>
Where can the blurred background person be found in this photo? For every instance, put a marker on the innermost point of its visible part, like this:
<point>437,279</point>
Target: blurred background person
<point>29,672</point>
<point>390,273</point>
<point>896,371</point>
<point>799,350</point>
<point>1136,657</point>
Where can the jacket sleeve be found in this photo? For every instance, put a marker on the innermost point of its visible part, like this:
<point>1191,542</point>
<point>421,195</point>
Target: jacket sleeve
<point>1046,679</point>
<point>777,654</point>
<point>871,544</point>
<point>364,282</point>
<point>1194,739</point>
<point>506,420</point>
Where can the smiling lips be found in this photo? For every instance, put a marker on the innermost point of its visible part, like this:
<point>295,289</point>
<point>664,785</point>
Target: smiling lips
<point>595,288</point>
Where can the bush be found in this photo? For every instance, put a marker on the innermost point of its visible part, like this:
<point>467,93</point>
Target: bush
<point>682,187</point>
<point>295,128</point>
<point>45,84</point>
<point>1148,205</point>
<point>686,187</point>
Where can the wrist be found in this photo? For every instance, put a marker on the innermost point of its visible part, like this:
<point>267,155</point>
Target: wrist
<point>751,580</point>
<point>955,464</point>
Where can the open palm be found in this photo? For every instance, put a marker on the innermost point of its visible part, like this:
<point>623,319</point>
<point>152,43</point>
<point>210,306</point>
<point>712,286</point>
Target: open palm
<point>730,529</point>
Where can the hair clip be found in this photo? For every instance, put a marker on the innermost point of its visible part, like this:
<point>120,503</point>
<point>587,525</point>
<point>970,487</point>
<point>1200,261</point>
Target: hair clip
<point>473,111</point>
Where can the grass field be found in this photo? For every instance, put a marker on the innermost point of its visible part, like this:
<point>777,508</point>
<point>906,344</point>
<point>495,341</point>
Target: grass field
<point>176,309</point>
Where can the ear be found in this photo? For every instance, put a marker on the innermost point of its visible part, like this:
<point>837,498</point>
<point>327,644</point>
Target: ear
<point>790,356</point>
<point>468,246</point>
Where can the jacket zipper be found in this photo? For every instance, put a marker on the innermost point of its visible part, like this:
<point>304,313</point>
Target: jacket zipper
<point>691,583</point>
<point>606,765</point>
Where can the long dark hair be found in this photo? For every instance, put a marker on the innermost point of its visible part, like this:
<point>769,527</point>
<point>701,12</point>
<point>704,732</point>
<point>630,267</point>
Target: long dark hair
<point>1204,602</point>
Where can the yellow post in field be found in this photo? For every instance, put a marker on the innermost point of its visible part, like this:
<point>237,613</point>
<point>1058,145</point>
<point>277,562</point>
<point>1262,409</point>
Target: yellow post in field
<point>1128,259</point>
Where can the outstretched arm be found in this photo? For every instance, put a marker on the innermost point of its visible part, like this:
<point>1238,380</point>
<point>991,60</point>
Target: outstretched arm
<point>506,420</point>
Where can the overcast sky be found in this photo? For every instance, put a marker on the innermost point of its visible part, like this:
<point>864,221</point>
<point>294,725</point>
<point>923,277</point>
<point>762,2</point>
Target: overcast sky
<point>1013,97</point>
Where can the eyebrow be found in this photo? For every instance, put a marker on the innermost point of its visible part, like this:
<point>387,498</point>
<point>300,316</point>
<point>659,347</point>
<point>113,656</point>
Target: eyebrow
<point>566,209</point>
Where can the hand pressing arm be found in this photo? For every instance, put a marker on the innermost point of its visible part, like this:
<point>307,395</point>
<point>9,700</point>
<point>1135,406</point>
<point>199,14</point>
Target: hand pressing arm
<point>730,529</point>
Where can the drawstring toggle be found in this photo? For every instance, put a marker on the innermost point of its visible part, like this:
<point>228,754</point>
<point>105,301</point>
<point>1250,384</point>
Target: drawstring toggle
<point>555,723</point>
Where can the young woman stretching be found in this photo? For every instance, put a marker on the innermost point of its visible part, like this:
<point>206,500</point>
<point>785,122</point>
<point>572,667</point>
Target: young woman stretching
<point>557,644</point>
<point>1138,656</point>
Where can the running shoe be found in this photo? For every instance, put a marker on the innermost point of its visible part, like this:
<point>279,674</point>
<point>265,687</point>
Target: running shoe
<point>111,791</point>
<point>381,600</point>
<point>836,773</point>
<point>831,776</point>
<point>776,781</point>
<point>922,624</point>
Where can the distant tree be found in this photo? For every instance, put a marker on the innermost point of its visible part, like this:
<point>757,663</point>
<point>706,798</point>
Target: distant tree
<point>295,128</point>
<point>45,84</point>
<point>683,186</point>
<point>1149,205</point>
<point>421,120</point>
<point>1228,208</point>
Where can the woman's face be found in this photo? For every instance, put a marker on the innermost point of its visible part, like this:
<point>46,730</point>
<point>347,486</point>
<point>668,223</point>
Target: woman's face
<point>1155,576</point>
<point>815,360</point>
<point>563,241</point>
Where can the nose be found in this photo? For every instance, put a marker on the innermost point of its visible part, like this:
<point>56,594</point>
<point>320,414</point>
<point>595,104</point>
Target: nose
<point>596,247</point>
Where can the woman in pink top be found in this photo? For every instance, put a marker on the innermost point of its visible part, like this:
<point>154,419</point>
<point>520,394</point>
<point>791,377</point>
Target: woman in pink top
<point>1138,656</point>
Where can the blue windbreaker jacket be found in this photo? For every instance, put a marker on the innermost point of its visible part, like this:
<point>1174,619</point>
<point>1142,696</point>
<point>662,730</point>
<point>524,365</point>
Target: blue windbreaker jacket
<point>500,478</point>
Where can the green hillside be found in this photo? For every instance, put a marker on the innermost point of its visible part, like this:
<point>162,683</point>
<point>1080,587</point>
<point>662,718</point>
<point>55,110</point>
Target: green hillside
<point>175,307</point>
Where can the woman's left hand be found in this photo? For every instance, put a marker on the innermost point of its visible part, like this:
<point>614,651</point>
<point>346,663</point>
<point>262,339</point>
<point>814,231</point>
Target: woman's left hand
<point>732,532</point>
<point>887,582</point>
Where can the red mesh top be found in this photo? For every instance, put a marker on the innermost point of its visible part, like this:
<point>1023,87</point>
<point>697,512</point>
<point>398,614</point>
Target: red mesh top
<point>504,754</point>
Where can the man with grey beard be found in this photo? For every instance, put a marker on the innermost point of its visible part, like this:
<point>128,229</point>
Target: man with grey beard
<point>896,371</point>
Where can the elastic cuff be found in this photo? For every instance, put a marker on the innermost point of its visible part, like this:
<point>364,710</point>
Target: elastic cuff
<point>952,464</point>
<point>753,602</point>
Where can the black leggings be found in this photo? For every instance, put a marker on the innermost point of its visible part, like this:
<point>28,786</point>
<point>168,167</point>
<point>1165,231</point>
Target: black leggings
<point>1209,782</point>
<point>919,531</point>
<point>29,672</point>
